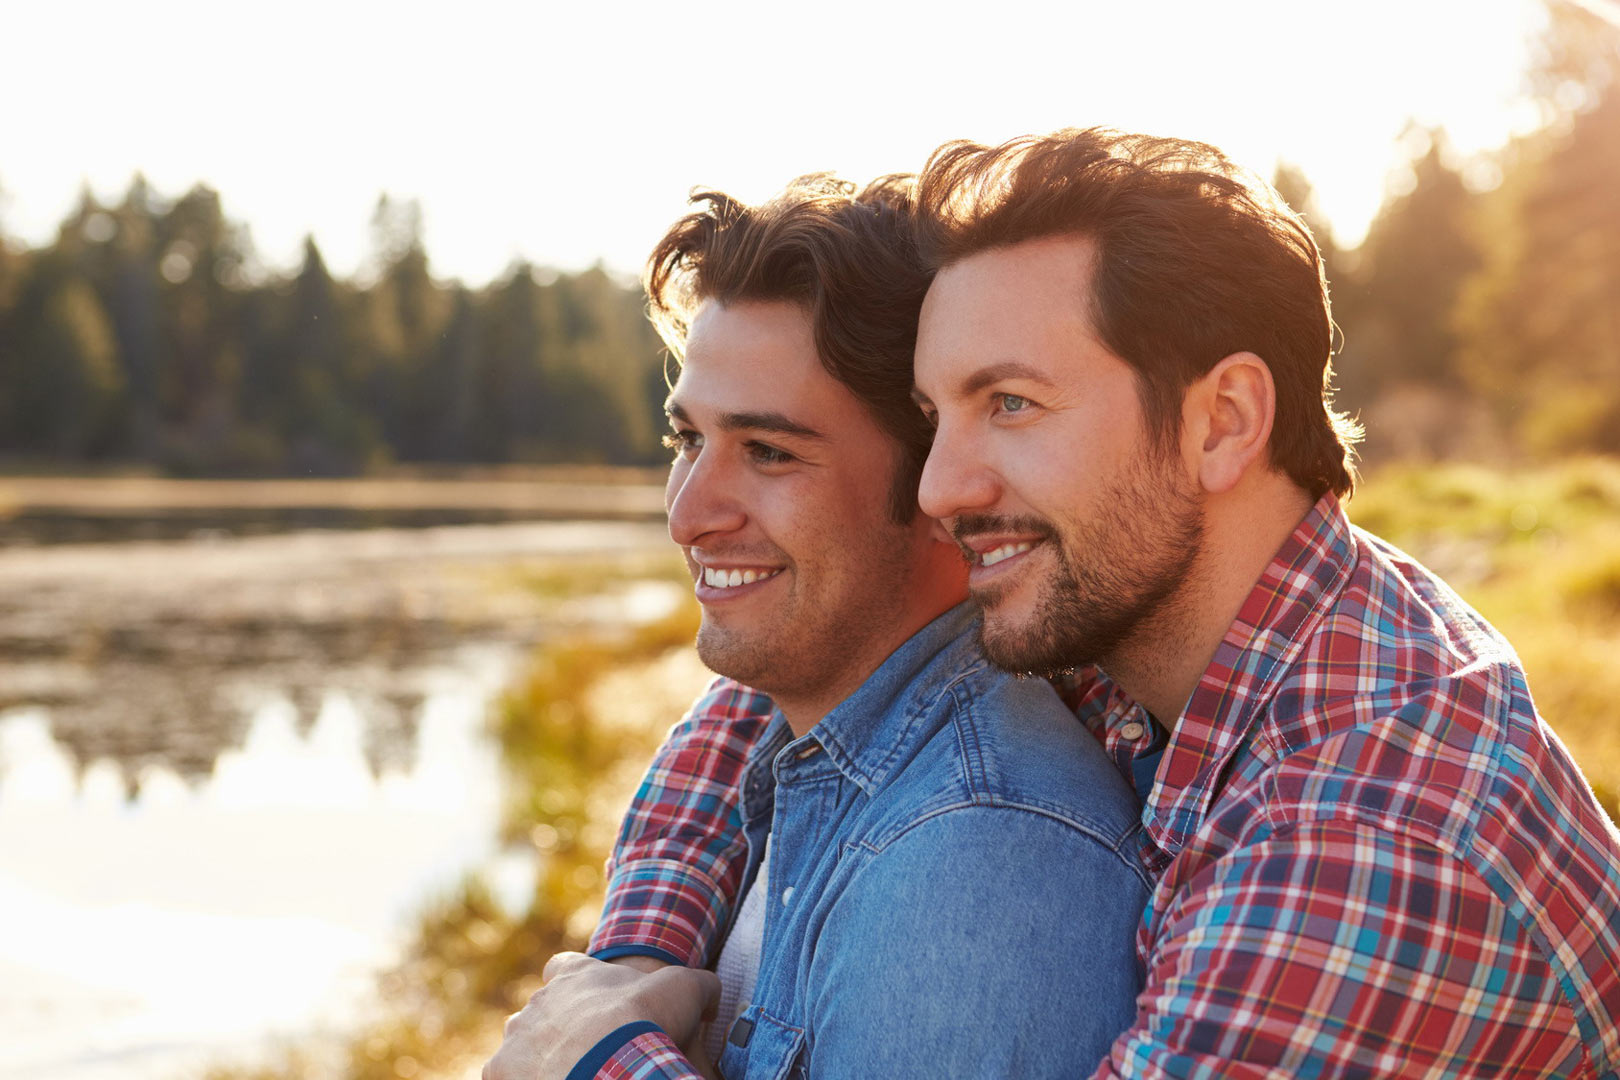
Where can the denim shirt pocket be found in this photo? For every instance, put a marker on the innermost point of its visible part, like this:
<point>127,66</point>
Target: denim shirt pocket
<point>761,1047</point>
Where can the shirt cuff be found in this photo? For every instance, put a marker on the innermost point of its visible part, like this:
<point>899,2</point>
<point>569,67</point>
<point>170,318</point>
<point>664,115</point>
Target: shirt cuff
<point>663,905</point>
<point>618,1039</point>
<point>613,952</point>
<point>651,1055</point>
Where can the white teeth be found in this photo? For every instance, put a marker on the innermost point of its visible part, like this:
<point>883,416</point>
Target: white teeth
<point>1004,552</point>
<point>726,579</point>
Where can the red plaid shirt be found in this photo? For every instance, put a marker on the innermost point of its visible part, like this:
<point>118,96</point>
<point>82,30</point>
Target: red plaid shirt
<point>1372,856</point>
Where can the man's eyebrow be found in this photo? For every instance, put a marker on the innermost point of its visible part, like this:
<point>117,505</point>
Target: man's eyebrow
<point>1008,369</point>
<point>769,421</point>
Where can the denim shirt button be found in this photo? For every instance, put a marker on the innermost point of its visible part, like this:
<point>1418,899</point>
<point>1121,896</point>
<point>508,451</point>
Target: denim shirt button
<point>787,894</point>
<point>1132,731</point>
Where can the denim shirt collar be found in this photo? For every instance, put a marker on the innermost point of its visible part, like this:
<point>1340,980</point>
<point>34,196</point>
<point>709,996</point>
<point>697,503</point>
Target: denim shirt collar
<point>879,727</point>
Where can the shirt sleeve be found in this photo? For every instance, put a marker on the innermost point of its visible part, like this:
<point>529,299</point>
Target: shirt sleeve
<point>635,1055</point>
<point>984,942</point>
<point>1337,949</point>
<point>678,863</point>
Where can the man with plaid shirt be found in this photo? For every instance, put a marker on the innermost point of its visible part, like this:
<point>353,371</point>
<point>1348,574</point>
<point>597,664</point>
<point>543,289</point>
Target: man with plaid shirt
<point>1371,856</point>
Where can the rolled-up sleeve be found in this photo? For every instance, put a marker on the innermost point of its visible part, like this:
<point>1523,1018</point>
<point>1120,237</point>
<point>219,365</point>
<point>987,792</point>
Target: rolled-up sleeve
<point>635,1052</point>
<point>678,862</point>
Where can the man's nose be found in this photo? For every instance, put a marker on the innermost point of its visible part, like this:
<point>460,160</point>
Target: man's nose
<point>702,499</point>
<point>955,479</point>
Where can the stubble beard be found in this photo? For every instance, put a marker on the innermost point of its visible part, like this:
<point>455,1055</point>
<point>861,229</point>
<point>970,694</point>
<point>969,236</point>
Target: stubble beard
<point>743,654</point>
<point>1121,571</point>
<point>808,647</point>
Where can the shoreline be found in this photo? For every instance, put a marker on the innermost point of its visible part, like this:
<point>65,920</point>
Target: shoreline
<point>572,493</point>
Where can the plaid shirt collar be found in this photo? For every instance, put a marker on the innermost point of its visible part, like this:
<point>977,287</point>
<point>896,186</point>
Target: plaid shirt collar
<point>1294,593</point>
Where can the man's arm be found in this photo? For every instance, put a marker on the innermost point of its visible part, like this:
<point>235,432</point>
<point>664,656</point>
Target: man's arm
<point>1337,949</point>
<point>596,1019</point>
<point>677,866</point>
<point>984,942</point>
<point>674,873</point>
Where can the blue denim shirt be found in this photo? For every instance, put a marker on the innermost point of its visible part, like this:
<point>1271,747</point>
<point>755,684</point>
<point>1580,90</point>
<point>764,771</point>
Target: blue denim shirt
<point>953,888</point>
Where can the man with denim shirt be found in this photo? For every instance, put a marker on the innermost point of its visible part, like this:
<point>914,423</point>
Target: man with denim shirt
<point>1371,856</point>
<point>929,817</point>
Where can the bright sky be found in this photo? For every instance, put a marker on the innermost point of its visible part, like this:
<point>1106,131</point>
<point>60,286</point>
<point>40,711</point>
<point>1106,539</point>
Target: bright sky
<point>570,132</point>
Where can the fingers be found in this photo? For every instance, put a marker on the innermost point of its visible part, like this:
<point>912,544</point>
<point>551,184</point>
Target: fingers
<point>698,1057</point>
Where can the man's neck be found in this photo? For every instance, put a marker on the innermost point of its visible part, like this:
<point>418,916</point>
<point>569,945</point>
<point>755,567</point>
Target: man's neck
<point>1161,664</point>
<point>804,709</point>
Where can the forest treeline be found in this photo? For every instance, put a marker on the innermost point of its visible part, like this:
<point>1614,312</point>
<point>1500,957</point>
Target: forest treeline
<point>143,335</point>
<point>1480,315</point>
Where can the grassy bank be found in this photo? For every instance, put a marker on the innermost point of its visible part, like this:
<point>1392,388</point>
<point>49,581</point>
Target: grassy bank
<point>1537,551</point>
<point>575,734</point>
<point>573,492</point>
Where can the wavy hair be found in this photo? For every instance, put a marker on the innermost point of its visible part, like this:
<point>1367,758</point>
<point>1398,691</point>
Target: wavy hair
<point>1196,259</point>
<point>847,257</point>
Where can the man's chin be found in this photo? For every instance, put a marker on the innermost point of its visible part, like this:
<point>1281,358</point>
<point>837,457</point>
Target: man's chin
<point>1010,642</point>
<point>731,654</point>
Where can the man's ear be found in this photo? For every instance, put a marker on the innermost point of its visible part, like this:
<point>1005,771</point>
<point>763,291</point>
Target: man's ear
<point>1227,417</point>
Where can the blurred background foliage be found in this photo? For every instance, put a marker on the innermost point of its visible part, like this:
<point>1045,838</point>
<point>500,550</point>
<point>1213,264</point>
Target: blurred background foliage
<point>148,333</point>
<point>1480,319</point>
<point>1481,314</point>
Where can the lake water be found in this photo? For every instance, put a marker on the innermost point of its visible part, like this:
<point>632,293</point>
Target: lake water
<point>233,768</point>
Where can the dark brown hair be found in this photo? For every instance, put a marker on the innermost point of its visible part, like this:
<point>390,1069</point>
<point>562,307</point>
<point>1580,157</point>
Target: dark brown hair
<point>1196,259</point>
<point>848,258</point>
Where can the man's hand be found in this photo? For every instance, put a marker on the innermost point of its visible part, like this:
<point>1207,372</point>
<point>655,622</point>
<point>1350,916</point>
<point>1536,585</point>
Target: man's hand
<point>585,1000</point>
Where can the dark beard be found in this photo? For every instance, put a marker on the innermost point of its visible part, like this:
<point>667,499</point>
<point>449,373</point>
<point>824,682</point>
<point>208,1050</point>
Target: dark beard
<point>1091,606</point>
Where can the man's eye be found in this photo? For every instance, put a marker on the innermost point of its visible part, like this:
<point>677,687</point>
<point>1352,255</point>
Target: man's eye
<point>682,441</point>
<point>1012,403</point>
<point>766,454</point>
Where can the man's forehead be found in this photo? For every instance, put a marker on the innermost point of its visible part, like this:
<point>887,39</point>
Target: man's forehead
<point>1054,268</point>
<point>1018,312</point>
<point>766,323</point>
<point>741,374</point>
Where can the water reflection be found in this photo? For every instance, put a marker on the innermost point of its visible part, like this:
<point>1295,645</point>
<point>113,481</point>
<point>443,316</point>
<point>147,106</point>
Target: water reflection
<point>147,935</point>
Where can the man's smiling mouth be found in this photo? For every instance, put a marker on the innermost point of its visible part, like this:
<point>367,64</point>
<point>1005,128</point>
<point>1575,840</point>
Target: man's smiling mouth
<point>988,540</point>
<point>726,579</point>
<point>1004,552</point>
